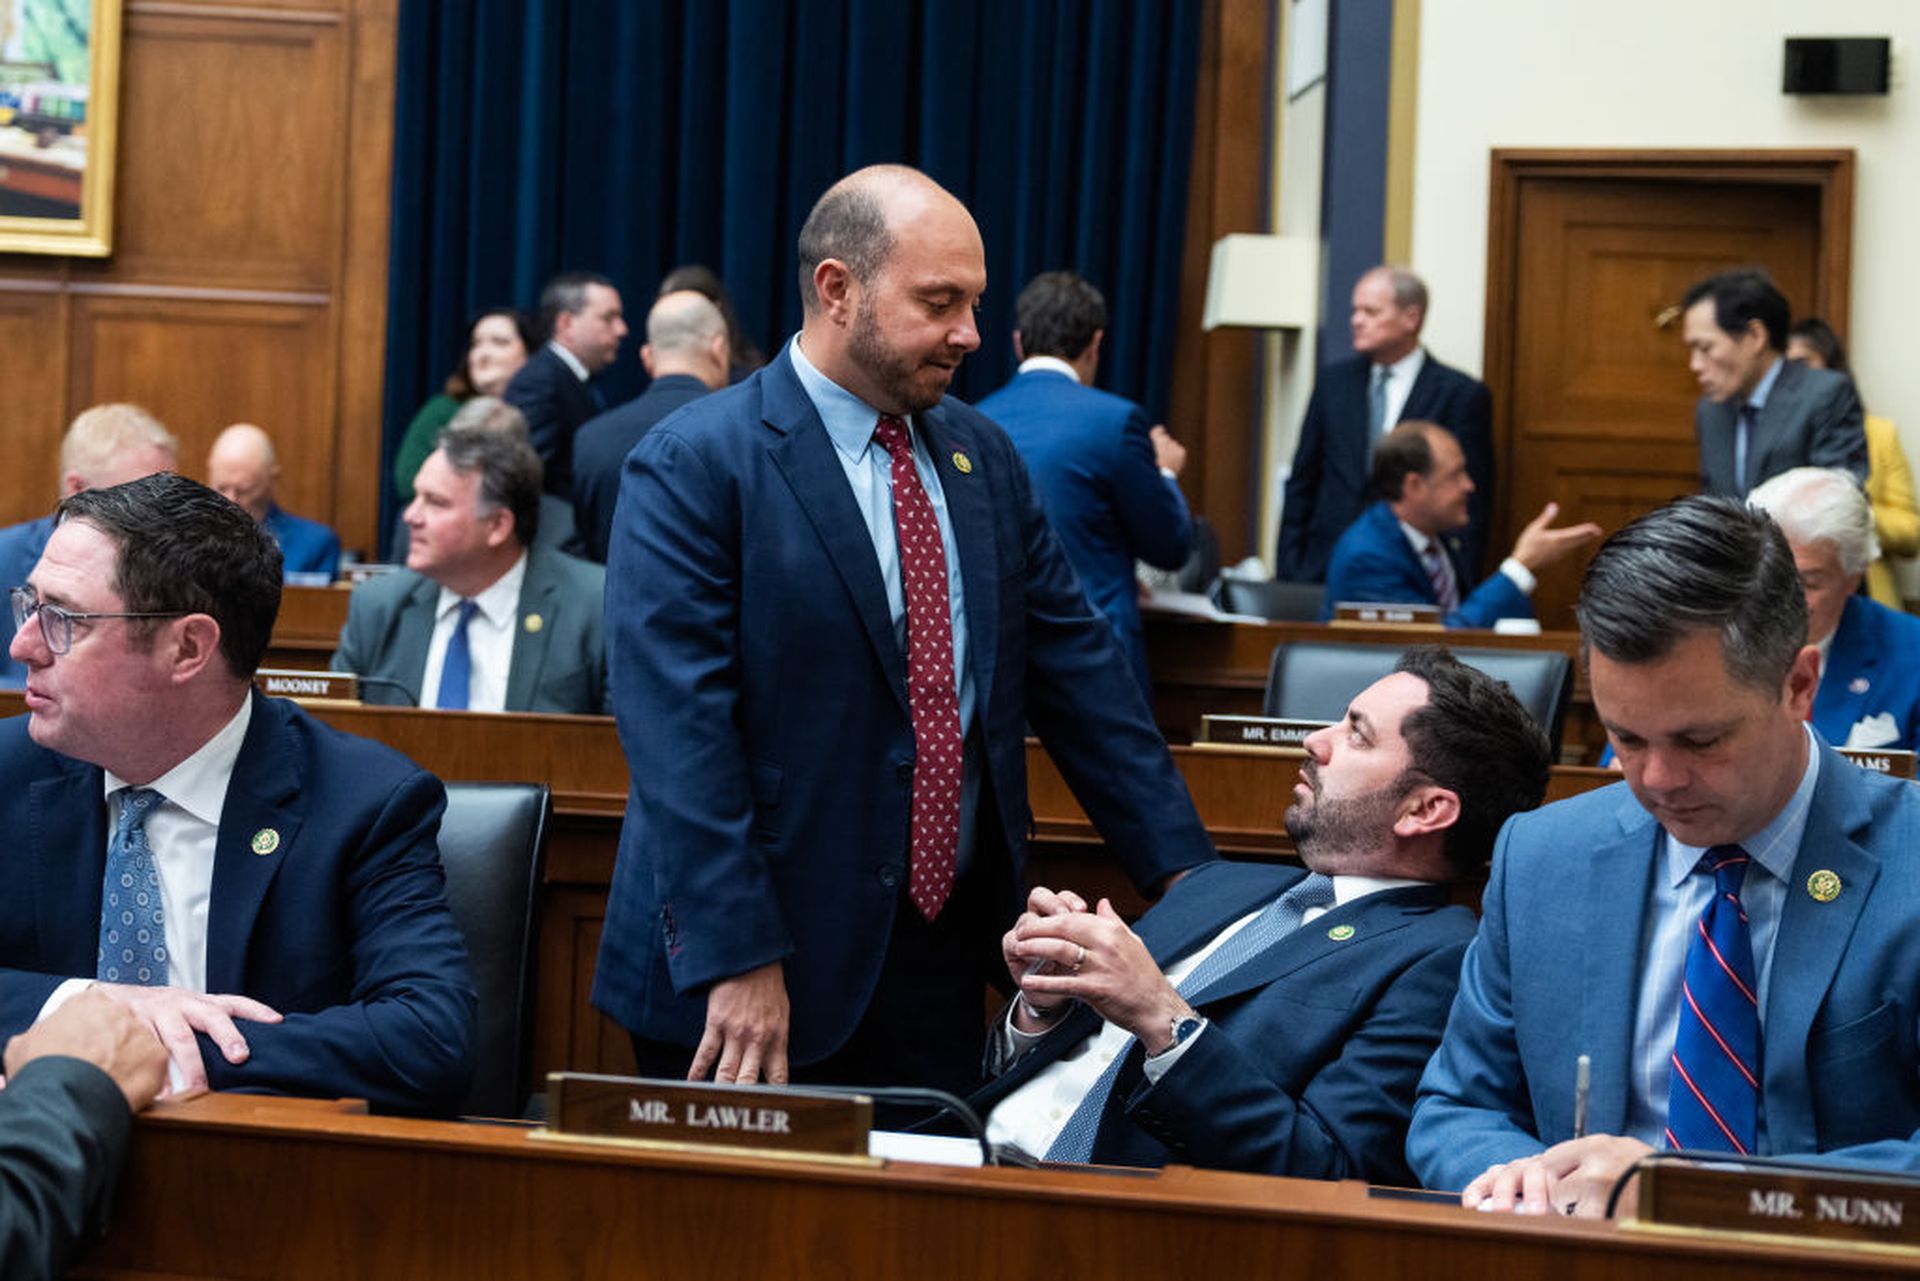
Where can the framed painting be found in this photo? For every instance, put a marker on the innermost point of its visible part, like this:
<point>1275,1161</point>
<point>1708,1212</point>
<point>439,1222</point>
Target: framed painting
<point>59,99</point>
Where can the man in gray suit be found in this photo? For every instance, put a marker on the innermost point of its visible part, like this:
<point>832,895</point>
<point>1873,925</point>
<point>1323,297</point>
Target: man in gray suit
<point>482,619</point>
<point>1759,413</point>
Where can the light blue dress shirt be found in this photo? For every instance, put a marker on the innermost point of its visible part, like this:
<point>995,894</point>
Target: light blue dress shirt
<point>1679,897</point>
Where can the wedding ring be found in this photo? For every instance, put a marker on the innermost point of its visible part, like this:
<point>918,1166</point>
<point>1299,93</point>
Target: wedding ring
<point>1081,959</point>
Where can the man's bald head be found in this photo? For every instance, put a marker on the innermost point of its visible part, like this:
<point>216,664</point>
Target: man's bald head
<point>242,467</point>
<point>857,220</point>
<point>687,334</point>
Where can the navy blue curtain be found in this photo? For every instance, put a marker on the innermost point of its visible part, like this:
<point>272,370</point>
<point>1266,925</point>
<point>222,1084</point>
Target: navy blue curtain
<point>533,136</point>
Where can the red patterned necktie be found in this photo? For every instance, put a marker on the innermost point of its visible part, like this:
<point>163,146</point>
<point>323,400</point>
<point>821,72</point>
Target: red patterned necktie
<point>931,696</point>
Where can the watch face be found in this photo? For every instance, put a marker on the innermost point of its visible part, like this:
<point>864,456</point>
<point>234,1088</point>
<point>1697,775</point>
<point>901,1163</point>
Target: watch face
<point>1185,1028</point>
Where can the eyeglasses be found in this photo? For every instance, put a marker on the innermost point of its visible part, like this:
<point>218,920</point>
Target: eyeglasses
<point>56,623</point>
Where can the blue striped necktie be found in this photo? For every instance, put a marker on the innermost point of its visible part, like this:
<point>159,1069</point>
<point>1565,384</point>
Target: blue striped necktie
<point>133,936</point>
<point>1280,918</point>
<point>456,669</point>
<point>1713,1100</point>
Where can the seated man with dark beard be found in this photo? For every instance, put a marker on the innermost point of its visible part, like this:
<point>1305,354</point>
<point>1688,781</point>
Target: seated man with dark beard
<point>1263,1018</point>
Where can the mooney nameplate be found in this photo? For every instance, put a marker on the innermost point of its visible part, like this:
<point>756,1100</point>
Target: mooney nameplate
<point>277,683</point>
<point>584,1105</point>
<point>1805,1204</point>
<point>1257,731</point>
<point>1882,760</point>
<point>1392,615</point>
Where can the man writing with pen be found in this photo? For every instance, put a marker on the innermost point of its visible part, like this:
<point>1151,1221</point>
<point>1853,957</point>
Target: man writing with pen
<point>1727,936</point>
<point>1262,1018</point>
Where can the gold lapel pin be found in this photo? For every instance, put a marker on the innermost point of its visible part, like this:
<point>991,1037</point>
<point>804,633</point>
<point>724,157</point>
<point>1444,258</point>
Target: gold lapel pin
<point>1340,933</point>
<point>266,841</point>
<point>534,622</point>
<point>1824,886</point>
<point>962,463</point>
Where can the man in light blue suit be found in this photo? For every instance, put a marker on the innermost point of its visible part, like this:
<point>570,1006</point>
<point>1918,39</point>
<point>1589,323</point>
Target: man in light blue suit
<point>1109,485</point>
<point>1728,934</point>
<point>833,608</point>
<point>1869,692</point>
<point>1403,549</point>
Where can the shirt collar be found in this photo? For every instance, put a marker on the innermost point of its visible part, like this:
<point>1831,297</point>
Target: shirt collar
<point>1421,541</point>
<point>1348,888</point>
<point>497,603</point>
<point>1764,388</point>
<point>1408,366</point>
<point>849,420</point>
<point>1051,364</point>
<point>570,360</point>
<point>198,784</point>
<point>1774,846</point>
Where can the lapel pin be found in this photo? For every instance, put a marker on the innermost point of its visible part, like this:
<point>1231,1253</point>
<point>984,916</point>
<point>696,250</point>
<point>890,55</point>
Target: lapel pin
<point>1824,886</point>
<point>1859,685</point>
<point>534,622</point>
<point>962,463</point>
<point>265,841</point>
<point>1340,933</point>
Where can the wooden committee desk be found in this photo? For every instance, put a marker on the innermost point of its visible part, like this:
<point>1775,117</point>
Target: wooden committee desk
<point>233,1186</point>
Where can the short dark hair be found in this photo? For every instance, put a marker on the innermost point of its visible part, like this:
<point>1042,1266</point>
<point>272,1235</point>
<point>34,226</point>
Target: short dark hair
<point>1819,335</point>
<point>1697,563</point>
<point>1741,297</point>
<point>1405,451</point>
<point>848,223</point>
<point>1474,739</point>
<point>182,548</point>
<point>459,383</point>
<point>1057,314</point>
<point>509,469</point>
<point>566,294</point>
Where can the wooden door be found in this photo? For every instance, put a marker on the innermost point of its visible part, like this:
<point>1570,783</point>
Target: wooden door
<point>1592,397</point>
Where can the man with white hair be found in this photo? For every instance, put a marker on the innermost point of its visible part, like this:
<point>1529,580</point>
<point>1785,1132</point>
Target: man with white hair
<point>686,356</point>
<point>243,469</point>
<point>106,445</point>
<point>1869,694</point>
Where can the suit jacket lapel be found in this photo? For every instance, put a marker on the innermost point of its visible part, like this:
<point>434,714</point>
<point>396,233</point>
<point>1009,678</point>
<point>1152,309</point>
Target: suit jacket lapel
<point>261,797</point>
<point>1617,877</point>
<point>804,454</point>
<point>538,595</point>
<point>1770,424</point>
<point>1423,396</point>
<point>413,636</point>
<point>970,510</point>
<point>67,840</point>
<point>1369,917</point>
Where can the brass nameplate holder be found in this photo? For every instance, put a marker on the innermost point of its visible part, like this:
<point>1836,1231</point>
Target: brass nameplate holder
<point>1257,731</point>
<point>687,1116</point>
<point>1388,615</point>
<point>278,683</point>
<point>1882,760</point>
<point>1834,1208</point>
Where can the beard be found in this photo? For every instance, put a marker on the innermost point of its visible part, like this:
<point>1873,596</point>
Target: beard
<point>900,380</point>
<point>1327,829</point>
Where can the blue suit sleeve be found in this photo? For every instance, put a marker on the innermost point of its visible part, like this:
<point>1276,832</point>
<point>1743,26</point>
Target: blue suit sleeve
<point>1496,598</point>
<point>1151,508</point>
<point>1473,1109</point>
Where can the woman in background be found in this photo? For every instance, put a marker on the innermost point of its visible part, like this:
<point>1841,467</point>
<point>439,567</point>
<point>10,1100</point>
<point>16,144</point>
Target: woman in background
<point>1896,519</point>
<point>498,342</point>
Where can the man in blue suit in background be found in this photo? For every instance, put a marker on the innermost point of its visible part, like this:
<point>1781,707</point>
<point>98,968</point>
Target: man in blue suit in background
<point>1728,935</point>
<point>1869,693</point>
<point>263,890</point>
<point>242,468</point>
<point>1110,486</point>
<point>1404,549</point>
<point>1263,1019</point>
<point>833,607</point>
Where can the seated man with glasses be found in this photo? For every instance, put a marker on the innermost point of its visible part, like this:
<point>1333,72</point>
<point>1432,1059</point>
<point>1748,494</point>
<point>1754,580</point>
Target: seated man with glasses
<point>265,891</point>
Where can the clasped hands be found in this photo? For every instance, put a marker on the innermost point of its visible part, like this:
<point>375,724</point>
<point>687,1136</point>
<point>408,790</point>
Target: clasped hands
<point>1089,956</point>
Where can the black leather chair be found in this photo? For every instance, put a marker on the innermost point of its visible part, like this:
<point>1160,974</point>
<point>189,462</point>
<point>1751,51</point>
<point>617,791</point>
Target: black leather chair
<point>1278,601</point>
<point>493,842</point>
<point>1315,680</point>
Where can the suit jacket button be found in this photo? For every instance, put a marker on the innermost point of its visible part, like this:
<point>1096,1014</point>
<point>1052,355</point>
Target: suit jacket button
<point>889,875</point>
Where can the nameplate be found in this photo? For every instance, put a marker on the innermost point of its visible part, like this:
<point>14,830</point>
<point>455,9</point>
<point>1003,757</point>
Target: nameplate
<point>285,683</point>
<point>789,1121</point>
<point>1390,615</point>
<point>360,573</point>
<point>1882,760</point>
<point>1257,731</point>
<point>1828,1206</point>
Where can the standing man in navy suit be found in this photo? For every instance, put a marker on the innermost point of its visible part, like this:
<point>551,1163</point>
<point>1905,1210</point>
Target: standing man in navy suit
<point>833,607</point>
<point>266,892</point>
<point>1760,413</point>
<point>1390,379</point>
<point>582,319</point>
<point>1110,487</point>
<point>1283,1046</point>
<point>1404,549</point>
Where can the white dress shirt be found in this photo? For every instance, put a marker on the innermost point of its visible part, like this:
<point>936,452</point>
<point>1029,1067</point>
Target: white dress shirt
<point>571,361</point>
<point>1052,364</point>
<point>489,641</point>
<point>1032,1116</point>
<point>1400,376</point>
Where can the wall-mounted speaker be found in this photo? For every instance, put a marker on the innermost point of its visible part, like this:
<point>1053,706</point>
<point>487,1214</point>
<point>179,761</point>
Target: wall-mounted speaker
<point>1836,64</point>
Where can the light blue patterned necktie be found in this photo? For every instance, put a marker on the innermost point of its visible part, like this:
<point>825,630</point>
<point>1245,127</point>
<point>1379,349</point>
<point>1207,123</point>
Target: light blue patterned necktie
<point>1281,918</point>
<point>133,935</point>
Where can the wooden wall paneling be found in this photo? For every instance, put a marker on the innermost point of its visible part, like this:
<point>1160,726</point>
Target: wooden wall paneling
<point>32,395</point>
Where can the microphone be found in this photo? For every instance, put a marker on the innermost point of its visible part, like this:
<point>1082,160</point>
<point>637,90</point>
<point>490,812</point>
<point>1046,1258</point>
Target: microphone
<point>383,682</point>
<point>939,1100</point>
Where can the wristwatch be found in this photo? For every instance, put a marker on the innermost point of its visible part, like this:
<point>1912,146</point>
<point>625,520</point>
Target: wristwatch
<point>1183,1026</point>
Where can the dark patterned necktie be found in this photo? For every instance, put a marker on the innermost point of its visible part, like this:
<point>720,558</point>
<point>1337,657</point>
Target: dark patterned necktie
<point>1713,1099</point>
<point>1440,574</point>
<point>932,699</point>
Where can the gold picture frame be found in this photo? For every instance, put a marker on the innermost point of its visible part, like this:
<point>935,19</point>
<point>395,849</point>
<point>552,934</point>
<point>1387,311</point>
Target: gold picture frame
<point>59,112</point>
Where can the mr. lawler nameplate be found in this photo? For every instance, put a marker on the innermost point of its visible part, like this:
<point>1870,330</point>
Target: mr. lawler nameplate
<point>733,1116</point>
<point>1801,1202</point>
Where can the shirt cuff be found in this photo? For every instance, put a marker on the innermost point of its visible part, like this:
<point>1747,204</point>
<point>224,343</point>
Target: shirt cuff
<point>1012,1041</point>
<point>1168,472</point>
<point>1522,576</point>
<point>61,995</point>
<point>1156,1066</point>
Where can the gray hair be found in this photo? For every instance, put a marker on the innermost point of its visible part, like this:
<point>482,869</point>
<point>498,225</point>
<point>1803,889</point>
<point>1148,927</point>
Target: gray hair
<point>490,413</point>
<point>101,433</point>
<point>1408,289</point>
<point>1821,504</point>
